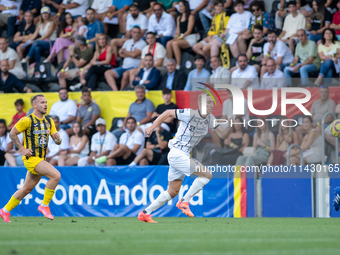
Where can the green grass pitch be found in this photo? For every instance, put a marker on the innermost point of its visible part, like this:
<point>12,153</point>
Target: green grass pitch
<point>171,236</point>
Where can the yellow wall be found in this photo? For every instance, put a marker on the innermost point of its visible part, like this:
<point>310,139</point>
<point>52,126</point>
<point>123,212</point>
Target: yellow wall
<point>112,103</point>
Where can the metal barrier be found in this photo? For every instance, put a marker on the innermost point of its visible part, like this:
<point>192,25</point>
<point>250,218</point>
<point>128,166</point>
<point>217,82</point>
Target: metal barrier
<point>323,142</point>
<point>288,153</point>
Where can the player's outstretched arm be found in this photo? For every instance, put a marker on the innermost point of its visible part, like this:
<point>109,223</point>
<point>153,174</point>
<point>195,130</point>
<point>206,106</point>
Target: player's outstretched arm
<point>168,113</point>
<point>223,133</point>
<point>15,139</point>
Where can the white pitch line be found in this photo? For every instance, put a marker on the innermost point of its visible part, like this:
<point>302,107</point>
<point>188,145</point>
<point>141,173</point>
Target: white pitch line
<point>82,242</point>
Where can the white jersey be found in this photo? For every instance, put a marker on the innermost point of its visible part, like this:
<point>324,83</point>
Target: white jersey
<point>191,130</point>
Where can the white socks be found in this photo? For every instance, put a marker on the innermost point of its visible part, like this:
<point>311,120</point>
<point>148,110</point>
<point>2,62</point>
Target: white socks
<point>161,200</point>
<point>196,186</point>
<point>5,210</point>
<point>133,163</point>
<point>43,205</point>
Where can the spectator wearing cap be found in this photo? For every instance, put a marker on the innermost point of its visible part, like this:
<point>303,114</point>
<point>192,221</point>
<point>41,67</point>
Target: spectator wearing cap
<point>141,110</point>
<point>118,8</point>
<point>8,8</point>
<point>32,6</point>
<point>173,79</point>
<point>95,28</point>
<point>47,34</point>
<point>149,76</point>
<point>199,74</point>
<point>88,113</point>
<point>25,32</point>
<point>9,82</point>
<point>54,5</point>
<point>134,18</point>
<point>131,52</point>
<point>102,143</point>
<point>66,110</point>
<point>8,53</point>
<point>131,144</point>
<point>80,55</point>
<point>162,24</point>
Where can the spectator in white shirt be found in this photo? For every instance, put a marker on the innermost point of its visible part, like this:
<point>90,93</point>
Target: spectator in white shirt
<point>76,8</point>
<point>133,19</point>
<point>162,23</point>
<point>131,52</point>
<point>8,53</point>
<point>274,78</point>
<point>219,74</point>
<point>277,50</point>
<point>66,110</point>
<point>245,76</point>
<point>55,150</point>
<point>102,143</point>
<point>131,143</point>
<point>102,9</point>
<point>8,9</point>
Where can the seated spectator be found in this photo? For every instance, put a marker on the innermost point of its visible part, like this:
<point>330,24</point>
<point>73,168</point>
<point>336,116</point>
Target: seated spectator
<point>284,139</point>
<point>206,16</point>
<point>184,37</point>
<point>274,78</point>
<point>95,28</point>
<point>102,10</point>
<point>318,21</point>
<point>103,60</point>
<point>131,144</point>
<point>162,24</point>
<point>54,150</point>
<point>47,34</point>
<point>8,8</point>
<point>319,108</point>
<point>9,82</point>
<point>264,144</point>
<point>218,25</point>
<point>54,5</point>
<point>144,6</point>
<point>245,76</point>
<point>64,40</point>
<point>219,74</point>
<point>65,110</point>
<point>277,50</point>
<point>306,59</point>
<point>118,8</point>
<point>237,23</point>
<point>255,48</point>
<point>236,141</point>
<point>78,148</point>
<point>77,8</point>
<point>134,18</point>
<point>88,113</point>
<point>25,32</point>
<point>31,6</point>
<point>336,21</point>
<point>169,124</point>
<point>156,150</point>
<point>80,54</point>
<point>173,79</point>
<point>8,53</point>
<point>331,6</point>
<point>328,135</point>
<point>19,106</point>
<point>199,74</point>
<point>102,143</point>
<point>168,7</point>
<point>141,110</point>
<point>5,141</point>
<point>131,52</point>
<point>14,157</point>
<point>159,57</point>
<point>293,22</point>
<point>149,76</point>
<point>311,145</point>
<point>329,54</point>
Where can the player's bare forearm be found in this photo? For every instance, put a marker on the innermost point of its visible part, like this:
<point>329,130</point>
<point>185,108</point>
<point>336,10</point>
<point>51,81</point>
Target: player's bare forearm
<point>15,140</point>
<point>168,113</point>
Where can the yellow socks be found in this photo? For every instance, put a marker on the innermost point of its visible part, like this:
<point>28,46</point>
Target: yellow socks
<point>12,203</point>
<point>47,196</point>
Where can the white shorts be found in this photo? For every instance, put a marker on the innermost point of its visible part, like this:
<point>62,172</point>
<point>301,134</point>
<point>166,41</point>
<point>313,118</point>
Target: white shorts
<point>181,165</point>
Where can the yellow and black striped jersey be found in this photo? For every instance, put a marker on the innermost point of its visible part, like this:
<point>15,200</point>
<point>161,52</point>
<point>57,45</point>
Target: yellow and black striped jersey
<point>36,133</point>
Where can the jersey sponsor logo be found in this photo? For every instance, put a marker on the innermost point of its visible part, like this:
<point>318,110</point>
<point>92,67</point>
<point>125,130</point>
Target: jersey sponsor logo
<point>39,132</point>
<point>42,141</point>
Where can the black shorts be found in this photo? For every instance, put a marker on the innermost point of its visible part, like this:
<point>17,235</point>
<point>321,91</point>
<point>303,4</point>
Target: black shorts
<point>121,161</point>
<point>155,158</point>
<point>252,62</point>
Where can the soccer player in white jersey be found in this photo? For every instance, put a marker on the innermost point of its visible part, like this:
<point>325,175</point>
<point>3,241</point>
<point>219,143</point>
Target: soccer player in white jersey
<point>194,126</point>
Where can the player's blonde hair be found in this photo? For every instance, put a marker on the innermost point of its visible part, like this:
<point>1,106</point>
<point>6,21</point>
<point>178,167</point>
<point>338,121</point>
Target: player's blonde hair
<point>35,97</point>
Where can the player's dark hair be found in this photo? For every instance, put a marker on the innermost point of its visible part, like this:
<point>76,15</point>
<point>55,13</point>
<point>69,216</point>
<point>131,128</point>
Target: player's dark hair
<point>201,57</point>
<point>35,97</point>
<point>258,27</point>
<point>3,121</point>
<point>166,91</point>
<point>131,118</point>
<point>81,133</point>
<point>19,101</point>
<point>308,117</point>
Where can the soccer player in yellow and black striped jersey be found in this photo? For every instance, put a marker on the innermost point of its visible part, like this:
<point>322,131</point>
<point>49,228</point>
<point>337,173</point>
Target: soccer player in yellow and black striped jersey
<point>36,128</point>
